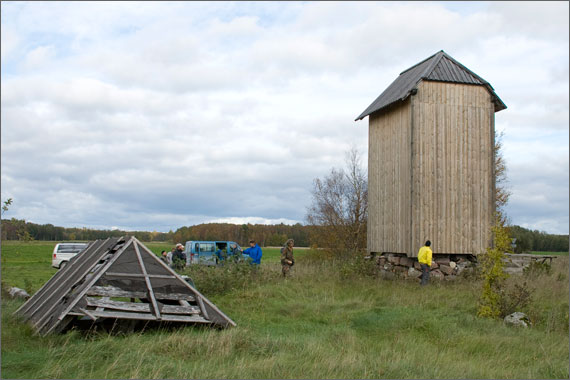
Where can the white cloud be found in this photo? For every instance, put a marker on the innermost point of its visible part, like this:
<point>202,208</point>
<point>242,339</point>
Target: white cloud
<point>9,42</point>
<point>39,57</point>
<point>543,19</point>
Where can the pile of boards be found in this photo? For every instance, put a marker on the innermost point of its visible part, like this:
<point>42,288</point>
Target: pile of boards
<point>117,279</point>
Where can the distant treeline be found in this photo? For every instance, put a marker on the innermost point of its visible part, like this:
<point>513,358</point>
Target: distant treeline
<point>265,235</point>
<point>528,241</point>
<point>15,229</point>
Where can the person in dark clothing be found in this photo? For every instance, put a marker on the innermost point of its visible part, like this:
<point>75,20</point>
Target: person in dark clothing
<point>178,257</point>
<point>287,259</point>
<point>235,253</point>
<point>234,249</point>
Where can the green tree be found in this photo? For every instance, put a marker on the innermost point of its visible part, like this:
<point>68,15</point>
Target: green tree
<point>492,270</point>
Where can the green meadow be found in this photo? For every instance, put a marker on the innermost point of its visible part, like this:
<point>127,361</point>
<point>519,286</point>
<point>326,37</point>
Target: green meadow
<point>328,320</point>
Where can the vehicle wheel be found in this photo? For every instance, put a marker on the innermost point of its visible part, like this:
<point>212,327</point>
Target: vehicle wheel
<point>62,264</point>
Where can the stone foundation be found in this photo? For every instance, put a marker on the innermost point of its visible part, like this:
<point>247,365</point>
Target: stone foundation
<point>516,263</point>
<point>448,267</point>
<point>444,267</point>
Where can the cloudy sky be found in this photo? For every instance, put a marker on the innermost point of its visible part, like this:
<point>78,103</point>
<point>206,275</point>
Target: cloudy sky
<point>157,115</point>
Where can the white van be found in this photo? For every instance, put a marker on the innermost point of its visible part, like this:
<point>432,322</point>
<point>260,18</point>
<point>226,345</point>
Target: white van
<point>63,252</point>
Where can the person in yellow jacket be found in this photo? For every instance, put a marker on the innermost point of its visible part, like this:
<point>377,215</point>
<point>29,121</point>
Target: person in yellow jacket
<point>424,258</point>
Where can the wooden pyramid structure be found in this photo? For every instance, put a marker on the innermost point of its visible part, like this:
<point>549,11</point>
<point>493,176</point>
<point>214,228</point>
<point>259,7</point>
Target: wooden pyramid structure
<point>121,279</point>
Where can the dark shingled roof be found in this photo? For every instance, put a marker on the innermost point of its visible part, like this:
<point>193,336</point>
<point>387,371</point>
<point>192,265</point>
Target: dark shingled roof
<point>439,67</point>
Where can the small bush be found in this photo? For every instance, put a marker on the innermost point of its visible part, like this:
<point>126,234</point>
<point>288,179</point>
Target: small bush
<point>221,279</point>
<point>553,318</point>
<point>178,264</point>
<point>357,266</point>
<point>315,255</point>
<point>516,297</point>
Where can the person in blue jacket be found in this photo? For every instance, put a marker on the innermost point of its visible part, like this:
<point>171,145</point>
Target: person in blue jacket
<point>254,251</point>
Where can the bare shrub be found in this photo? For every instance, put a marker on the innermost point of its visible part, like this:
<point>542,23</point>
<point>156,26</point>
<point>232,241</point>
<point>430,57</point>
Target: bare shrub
<point>516,297</point>
<point>340,208</point>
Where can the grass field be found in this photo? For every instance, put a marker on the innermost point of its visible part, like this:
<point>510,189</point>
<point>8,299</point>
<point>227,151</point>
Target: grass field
<point>27,265</point>
<point>326,321</point>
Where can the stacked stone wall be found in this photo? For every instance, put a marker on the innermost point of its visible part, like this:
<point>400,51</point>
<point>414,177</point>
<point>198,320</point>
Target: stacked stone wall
<point>516,263</point>
<point>444,267</point>
<point>448,267</point>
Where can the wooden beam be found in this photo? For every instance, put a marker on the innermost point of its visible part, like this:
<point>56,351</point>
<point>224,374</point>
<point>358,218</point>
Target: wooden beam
<point>202,307</point>
<point>103,299</point>
<point>87,313</point>
<point>111,291</point>
<point>146,316</point>
<point>147,281</point>
<point>137,275</point>
<point>140,307</point>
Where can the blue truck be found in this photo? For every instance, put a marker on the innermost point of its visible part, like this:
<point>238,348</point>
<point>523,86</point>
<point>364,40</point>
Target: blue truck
<point>210,252</point>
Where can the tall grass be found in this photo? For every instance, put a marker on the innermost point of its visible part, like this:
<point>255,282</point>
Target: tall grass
<point>328,320</point>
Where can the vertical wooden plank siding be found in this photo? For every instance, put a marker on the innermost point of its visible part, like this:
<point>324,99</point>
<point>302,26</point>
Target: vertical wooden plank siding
<point>452,169</point>
<point>491,170</point>
<point>389,176</point>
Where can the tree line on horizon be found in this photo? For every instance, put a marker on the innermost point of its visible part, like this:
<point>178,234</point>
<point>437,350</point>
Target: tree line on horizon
<point>534,240</point>
<point>265,235</point>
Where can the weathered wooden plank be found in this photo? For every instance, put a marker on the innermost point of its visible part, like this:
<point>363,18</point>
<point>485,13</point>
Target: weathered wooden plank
<point>88,313</point>
<point>148,316</point>
<point>110,291</point>
<point>140,307</point>
<point>202,307</point>
<point>105,299</point>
